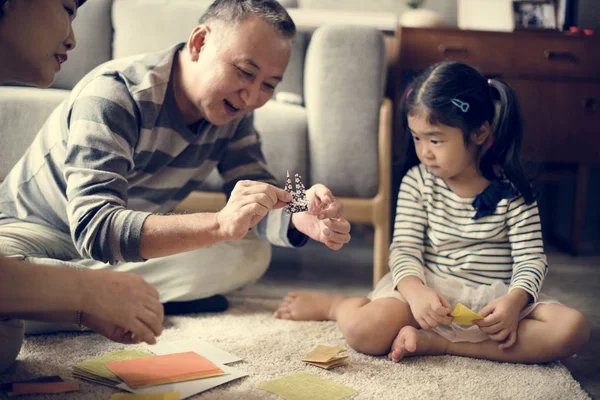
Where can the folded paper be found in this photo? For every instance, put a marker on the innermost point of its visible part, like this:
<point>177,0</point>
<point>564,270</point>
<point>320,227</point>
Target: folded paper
<point>463,316</point>
<point>299,201</point>
<point>327,357</point>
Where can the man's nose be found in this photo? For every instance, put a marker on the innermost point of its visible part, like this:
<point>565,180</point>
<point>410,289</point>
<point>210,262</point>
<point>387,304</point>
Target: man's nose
<point>250,95</point>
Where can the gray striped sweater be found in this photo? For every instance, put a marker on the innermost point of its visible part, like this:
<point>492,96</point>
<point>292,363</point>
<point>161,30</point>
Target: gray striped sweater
<point>117,150</point>
<point>435,230</point>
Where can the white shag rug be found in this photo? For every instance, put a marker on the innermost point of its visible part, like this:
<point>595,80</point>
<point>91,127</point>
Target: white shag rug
<point>273,348</point>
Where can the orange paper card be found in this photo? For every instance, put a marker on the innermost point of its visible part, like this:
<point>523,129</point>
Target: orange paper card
<point>170,368</point>
<point>44,387</point>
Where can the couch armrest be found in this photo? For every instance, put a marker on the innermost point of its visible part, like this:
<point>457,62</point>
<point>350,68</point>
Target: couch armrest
<point>23,111</point>
<point>344,79</point>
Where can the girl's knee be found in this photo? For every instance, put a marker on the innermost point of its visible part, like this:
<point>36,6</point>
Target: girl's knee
<point>571,331</point>
<point>576,331</point>
<point>369,337</point>
<point>366,341</point>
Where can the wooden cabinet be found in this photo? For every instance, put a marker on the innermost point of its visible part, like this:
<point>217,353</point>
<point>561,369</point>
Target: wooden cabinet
<point>556,78</point>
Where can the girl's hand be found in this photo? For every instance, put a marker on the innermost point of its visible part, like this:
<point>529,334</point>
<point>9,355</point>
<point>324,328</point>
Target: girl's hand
<point>429,308</point>
<point>501,319</point>
<point>324,221</point>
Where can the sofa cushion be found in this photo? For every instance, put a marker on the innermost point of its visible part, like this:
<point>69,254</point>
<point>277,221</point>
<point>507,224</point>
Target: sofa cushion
<point>284,134</point>
<point>144,27</point>
<point>344,80</point>
<point>23,111</point>
<point>93,33</point>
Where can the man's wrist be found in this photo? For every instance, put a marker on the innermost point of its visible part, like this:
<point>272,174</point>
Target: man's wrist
<point>214,227</point>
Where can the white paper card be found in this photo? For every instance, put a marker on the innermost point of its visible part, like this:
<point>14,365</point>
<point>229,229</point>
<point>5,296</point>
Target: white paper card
<point>199,346</point>
<point>190,388</point>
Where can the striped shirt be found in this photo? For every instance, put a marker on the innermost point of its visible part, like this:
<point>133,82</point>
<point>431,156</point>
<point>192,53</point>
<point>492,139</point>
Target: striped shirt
<point>434,230</point>
<point>117,150</point>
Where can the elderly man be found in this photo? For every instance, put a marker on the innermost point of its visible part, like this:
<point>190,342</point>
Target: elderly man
<point>137,135</point>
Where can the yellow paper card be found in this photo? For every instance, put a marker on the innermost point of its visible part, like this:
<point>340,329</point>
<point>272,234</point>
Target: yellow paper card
<point>307,386</point>
<point>322,354</point>
<point>149,396</point>
<point>463,316</point>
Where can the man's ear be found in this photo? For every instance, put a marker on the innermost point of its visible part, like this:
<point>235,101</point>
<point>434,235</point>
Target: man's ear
<point>196,41</point>
<point>480,135</point>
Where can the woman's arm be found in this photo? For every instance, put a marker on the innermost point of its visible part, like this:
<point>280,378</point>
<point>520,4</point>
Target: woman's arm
<point>26,287</point>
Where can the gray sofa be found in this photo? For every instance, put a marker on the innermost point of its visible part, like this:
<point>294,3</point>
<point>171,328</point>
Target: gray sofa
<point>328,120</point>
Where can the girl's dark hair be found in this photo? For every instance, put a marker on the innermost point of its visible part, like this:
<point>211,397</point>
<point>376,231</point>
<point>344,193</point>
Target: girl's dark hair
<point>431,94</point>
<point>2,4</point>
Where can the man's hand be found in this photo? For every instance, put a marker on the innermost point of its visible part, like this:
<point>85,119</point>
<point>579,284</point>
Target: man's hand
<point>122,300</point>
<point>110,330</point>
<point>323,221</point>
<point>501,318</point>
<point>249,203</point>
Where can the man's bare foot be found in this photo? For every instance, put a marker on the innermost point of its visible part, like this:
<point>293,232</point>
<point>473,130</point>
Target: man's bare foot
<point>417,342</point>
<point>309,306</point>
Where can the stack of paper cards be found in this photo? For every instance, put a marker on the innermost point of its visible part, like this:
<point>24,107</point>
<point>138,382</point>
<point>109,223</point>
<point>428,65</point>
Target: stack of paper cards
<point>187,367</point>
<point>158,370</point>
<point>463,316</point>
<point>95,370</point>
<point>190,388</point>
<point>306,386</point>
<point>327,357</point>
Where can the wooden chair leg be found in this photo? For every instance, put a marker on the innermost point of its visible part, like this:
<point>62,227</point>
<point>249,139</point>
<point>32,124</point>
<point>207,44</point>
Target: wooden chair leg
<point>380,250</point>
<point>579,206</point>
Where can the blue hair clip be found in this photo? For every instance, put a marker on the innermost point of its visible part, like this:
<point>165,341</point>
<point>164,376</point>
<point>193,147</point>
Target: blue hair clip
<point>464,107</point>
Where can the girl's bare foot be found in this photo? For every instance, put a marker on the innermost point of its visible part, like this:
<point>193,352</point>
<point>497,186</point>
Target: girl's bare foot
<point>309,306</point>
<point>417,342</point>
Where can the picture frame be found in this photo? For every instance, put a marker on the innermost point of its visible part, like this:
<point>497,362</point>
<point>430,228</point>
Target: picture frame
<point>535,14</point>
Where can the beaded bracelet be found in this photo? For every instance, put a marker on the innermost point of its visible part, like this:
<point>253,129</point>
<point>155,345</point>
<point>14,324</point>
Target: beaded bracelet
<point>79,324</point>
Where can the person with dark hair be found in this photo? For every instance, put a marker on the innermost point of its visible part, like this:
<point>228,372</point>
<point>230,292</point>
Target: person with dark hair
<point>467,231</point>
<point>136,136</point>
<point>120,306</point>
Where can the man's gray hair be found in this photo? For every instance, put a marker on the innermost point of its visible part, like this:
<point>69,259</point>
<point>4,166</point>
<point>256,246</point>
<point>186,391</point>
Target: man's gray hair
<point>234,11</point>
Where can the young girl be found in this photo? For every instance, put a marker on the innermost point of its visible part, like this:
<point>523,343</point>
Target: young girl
<point>467,230</point>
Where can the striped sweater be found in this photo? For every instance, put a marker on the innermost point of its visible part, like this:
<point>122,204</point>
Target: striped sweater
<point>117,150</point>
<point>434,230</point>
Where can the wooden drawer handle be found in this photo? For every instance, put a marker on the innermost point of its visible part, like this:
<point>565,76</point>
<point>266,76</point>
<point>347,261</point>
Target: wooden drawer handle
<point>560,56</point>
<point>591,104</point>
<point>452,49</point>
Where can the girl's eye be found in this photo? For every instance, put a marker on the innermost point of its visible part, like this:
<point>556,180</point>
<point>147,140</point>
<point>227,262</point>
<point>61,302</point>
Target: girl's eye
<point>435,141</point>
<point>416,139</point>
<point>70,11</point>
